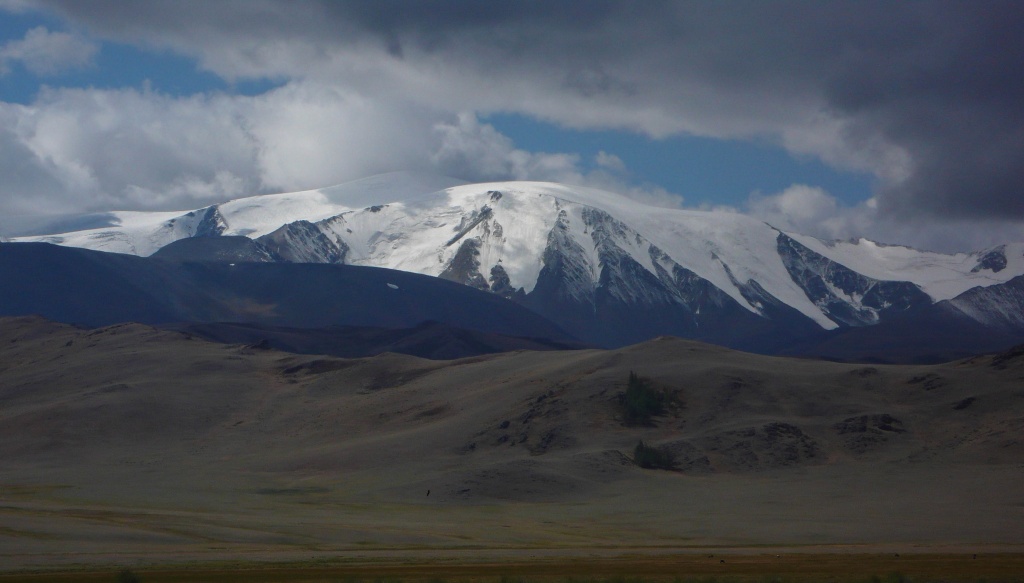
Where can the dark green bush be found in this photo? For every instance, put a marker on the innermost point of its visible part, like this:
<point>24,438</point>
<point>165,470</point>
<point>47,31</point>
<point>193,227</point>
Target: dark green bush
<point>641,401</point>
<point>128,576</point>
<point>652,458</point>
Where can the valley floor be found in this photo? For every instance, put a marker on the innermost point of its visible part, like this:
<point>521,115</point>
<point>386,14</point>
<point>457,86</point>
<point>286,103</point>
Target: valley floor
<point>636,566</point>
<point>835,521</point>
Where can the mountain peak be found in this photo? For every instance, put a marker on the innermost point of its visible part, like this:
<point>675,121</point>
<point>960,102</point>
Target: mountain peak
<point>603,265</point>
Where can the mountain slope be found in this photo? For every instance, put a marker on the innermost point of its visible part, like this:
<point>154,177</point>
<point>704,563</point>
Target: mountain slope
<point>606,268</point>
<point>218,249</point>
<point>433,340</point>
<point>172,449</point>
<point>142,233</point>
<point>94,288</point>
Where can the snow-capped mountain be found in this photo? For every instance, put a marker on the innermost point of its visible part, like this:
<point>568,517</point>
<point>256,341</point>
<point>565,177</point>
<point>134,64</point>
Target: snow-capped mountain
<point>606,268</point>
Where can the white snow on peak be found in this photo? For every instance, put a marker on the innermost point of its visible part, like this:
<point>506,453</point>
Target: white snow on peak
<point>258,215</point>
<point>421,234</point>
<point>143,233</point>
<point>941,276</point>
<point>418,222</point>
<point>132,232</point>
<point>701,241</point>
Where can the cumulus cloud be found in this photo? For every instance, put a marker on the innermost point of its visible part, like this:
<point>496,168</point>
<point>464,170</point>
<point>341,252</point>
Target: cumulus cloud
<point>47,53</point>
<point>476,151</point>
<point>126,149</point>
<point>801,208</point>
<point>86,149</point>
<point>89,150</point>
<point>925,96</point>
<point>813,211</point>
<point>610,161</point>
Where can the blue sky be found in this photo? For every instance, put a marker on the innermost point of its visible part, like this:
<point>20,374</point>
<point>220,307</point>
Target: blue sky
<point>115,65</point>
<point>706,171</point>
<point>175,104</point>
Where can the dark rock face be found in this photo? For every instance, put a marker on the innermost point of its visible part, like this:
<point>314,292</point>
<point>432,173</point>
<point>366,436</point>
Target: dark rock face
<point>212,224</point>
<point>688,458</point>
<point>1000,307</point>
<point>868,433</point>
<point>304,242</point>
<point>539,424</point>
<point>691,290</point>
<point>564,287</point>
<point>469,223</point>
<point>768,446</point>
<point>866,300</point>
<point>870,423</point>
<point>625,303</point>
<point>464,267</point>
<point>502,285</point>
<point>994,260</point>
<point>771,445</point>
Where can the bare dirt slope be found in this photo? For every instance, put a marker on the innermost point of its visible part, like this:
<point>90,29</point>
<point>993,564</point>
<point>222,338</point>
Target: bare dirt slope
<point>128,444</point>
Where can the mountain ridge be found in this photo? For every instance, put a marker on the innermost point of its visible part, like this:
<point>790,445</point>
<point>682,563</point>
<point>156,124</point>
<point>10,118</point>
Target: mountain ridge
<point>604,267</point>
<point>94,288</point>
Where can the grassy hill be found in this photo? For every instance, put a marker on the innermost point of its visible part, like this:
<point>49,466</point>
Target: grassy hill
<point>129,443</point>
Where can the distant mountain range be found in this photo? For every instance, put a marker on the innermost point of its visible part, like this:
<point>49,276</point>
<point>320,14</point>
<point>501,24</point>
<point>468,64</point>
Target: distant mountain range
<point>606,269</point>
<point>356,310</point>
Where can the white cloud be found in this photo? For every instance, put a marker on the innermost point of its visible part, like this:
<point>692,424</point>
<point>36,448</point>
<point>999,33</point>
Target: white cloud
<point>476,151</point>
<point>813,211</point>
<point>79,150</point>
<point>312,135</point>
<point>368,89</point>
<point>126,149</point>
<point>609,161</point>
<point>47,53</point>
<point>799,206</point>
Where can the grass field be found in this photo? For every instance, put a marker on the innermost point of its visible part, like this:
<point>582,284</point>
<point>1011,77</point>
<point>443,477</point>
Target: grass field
<point>704,567</point>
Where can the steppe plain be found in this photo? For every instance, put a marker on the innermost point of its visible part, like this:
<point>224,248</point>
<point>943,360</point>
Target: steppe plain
<point>128,446</point>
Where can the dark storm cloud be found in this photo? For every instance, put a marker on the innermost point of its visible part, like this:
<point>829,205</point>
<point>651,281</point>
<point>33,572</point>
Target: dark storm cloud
<point>928,95</point>
<point>948,88</point>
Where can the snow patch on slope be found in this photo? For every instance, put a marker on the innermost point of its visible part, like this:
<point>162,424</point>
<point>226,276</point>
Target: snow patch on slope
<point>716,246</point>
<point>142,233</point>
<point>941,276</point>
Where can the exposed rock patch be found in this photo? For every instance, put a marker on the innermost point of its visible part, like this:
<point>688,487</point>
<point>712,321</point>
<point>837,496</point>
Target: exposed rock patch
<point>868,432</point>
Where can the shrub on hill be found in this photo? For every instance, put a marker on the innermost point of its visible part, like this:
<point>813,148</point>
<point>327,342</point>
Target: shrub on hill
<point>641,401</point>
<point>652,458</point>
